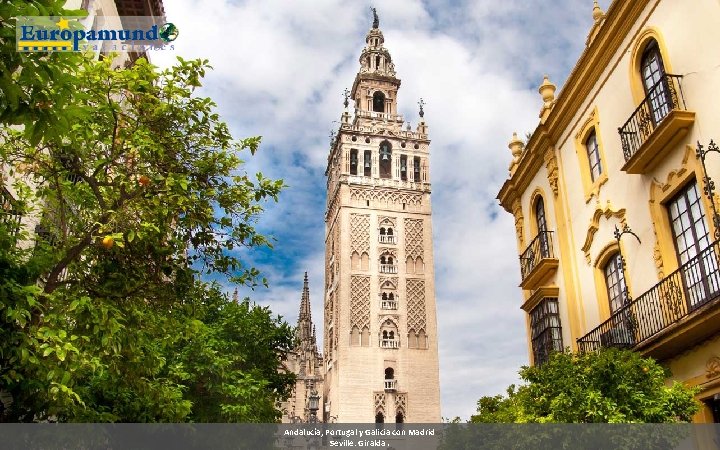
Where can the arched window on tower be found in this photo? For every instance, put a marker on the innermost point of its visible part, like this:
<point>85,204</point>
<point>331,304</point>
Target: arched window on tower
<point>378,102</point>
<point>399,418</point>
<point>377,62</point>
<point>367,163</point>
<point>385,160</point>
<point>379,418</point>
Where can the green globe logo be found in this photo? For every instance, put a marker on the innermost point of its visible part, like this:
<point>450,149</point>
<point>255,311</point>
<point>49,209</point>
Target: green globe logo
<point>168,32</point>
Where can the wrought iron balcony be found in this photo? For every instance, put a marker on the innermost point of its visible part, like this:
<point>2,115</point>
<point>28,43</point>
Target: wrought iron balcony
<point>391,385</point>
<point>388,304</point>
<point>388,268</point>
<point>678,311</point>
<point>9,213</point>
<point>659,120</point>
<point>387,239</point>
<point>389,343</point>
<point>538,261</point>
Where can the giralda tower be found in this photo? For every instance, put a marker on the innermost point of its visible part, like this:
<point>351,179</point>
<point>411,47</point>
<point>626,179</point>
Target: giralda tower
<point>381,359</point>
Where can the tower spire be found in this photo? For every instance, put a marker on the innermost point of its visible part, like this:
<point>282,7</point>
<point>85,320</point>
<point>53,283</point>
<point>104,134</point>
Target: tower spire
<point>305,313</point>
<point>304,330</point>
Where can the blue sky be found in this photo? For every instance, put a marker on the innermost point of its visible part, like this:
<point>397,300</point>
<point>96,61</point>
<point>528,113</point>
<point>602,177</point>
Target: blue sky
<point>280,67</point>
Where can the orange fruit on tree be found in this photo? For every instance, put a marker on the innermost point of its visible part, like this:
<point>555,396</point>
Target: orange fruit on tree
<point>108,242</point>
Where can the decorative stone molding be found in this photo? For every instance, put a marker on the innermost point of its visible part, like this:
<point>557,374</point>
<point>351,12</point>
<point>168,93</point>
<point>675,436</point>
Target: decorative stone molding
<point>390,196</point>
<point>712,367</point>
<point>415,291</point>
<point>360,302</point>
<point>401,404</point>
<point>517,212</point>
<point>379,401</point>
<point>384,221</point>
<point>607,212</point>
<point>657,257</point>
<point>389,283</point>
<point>552,169</point>
<point>360,233</point>
<point>414,247</point>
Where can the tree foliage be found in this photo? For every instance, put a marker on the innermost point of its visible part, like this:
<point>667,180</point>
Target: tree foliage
<point>609,386</point>
<point>102,315</point>
<point>35,87</point>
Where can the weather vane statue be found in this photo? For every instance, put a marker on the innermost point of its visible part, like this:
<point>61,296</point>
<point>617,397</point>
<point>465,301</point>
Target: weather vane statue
<point>421,103</point>
<point>346,93</point>
<point>376,21</point>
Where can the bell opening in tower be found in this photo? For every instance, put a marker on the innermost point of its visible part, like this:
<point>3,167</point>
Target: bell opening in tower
<point>385,160</point>
<point>378,102</point>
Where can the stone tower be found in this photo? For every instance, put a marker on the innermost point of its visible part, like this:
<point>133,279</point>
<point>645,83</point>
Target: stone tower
<point>381,360</point>
<point>306,363</point>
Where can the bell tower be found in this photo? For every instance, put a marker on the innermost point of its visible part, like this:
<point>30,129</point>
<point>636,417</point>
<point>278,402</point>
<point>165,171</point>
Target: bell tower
<point>380,343</point>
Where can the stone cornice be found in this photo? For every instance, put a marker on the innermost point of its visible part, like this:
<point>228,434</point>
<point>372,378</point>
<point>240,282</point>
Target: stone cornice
<point>528,166</point>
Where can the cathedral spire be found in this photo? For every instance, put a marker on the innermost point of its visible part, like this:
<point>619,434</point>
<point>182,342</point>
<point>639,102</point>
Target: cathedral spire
<point>305,301</point>
<point>305,327</point>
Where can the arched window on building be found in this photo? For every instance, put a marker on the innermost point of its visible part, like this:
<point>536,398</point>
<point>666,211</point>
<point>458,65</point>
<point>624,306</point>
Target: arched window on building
<point>615,282</point>
<point>542,227</point>
<point>652,71</point>
<point>593,154</point>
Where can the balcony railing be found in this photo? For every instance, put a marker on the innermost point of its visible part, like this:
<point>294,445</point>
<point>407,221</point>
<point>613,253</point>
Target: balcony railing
<point>389,343</point>
<point>9,213</point>
<point>388,268</point>
<point>387,239</point>
<point>378,115</point>
<point>539,250</point>
<point>391,385</point>
<point>388,304</point>
<point>657,120</point>
<point>674,299</point>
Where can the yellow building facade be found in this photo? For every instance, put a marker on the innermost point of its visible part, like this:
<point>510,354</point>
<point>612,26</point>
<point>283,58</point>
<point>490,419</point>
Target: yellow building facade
<point>618,236</point>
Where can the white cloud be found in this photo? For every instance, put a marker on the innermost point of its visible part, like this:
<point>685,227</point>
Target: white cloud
<point>280,69</point>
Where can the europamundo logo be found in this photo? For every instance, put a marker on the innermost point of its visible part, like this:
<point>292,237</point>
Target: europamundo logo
<point>105,34</point>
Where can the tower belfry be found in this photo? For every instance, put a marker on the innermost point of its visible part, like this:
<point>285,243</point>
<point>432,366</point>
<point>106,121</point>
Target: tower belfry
<point>380,345</point>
